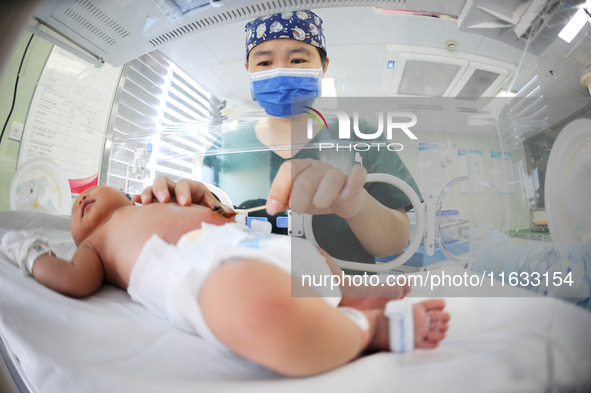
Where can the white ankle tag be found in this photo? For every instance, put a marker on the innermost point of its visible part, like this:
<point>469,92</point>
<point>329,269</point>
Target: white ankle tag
<point>402,332</point>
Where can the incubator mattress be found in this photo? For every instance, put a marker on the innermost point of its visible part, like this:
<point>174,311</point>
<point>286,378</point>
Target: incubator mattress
<point>107,343</point>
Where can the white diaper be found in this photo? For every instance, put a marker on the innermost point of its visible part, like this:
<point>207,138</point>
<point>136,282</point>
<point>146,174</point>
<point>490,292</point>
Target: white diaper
<point>167,278</point>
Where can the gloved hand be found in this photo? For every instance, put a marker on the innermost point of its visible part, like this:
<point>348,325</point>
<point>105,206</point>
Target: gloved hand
<point>23,248</point>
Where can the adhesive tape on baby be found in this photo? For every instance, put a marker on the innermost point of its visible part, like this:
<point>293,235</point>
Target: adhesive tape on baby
<point>41,185</point>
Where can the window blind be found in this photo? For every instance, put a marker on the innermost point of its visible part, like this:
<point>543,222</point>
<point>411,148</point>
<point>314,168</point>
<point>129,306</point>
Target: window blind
<point>161,122</point>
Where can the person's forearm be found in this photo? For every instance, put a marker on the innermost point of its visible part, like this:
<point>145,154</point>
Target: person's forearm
<point>382,231</point>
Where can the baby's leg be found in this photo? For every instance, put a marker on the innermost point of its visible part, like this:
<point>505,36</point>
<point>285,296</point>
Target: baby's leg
<point>249,307</point>
<point>366,297</point>
<point>371,297</point>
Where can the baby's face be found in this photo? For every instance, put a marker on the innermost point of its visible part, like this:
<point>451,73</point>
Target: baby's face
<point>93,207</point>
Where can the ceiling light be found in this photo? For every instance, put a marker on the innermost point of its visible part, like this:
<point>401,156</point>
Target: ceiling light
<point>575,25</point>
<point>506,93</point>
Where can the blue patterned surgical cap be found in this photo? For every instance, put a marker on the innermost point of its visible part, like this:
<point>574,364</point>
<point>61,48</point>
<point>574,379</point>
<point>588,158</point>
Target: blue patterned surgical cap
<point>303,26</point>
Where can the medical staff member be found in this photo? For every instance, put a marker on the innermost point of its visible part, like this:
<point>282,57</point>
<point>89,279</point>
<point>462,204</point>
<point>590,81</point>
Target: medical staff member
<point>286,60</point>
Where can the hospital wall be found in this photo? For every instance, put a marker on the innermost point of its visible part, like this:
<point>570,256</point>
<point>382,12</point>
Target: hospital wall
<point>32,67</point>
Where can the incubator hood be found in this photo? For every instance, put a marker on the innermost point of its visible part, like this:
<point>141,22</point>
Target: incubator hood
<point>183,103</point>
<point>491,42</point>
<point>119,31</point>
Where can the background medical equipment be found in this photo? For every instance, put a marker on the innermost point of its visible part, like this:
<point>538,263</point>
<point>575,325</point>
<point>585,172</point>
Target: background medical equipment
<point>568,184</point>
<point>41,185</point>
<point>174,142</point>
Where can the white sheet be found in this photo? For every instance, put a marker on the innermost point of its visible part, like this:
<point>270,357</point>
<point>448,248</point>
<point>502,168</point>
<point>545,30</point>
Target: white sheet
<point>107,343</point>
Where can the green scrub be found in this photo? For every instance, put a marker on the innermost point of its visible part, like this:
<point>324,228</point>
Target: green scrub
<point>245,168</point>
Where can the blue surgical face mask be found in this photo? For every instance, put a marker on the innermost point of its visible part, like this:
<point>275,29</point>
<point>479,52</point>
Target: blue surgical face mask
<point>285,92</point>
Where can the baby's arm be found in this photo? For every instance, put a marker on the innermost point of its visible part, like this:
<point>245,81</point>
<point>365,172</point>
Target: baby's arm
<point>80,278</point>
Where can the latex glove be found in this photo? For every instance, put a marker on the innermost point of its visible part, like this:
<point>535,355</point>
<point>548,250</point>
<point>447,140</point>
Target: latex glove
<point>23,248</point>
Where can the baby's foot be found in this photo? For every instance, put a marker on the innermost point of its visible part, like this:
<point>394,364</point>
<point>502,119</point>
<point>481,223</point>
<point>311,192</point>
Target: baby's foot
<point>431,323</point>
<point>429,320</point>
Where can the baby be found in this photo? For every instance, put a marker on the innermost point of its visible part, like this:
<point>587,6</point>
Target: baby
<point>226,284</point>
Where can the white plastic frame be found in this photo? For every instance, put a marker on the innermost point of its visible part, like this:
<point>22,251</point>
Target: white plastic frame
<point>414,242</point>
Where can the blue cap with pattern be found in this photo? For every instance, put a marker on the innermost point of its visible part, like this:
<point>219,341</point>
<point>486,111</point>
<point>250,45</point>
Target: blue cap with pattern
<point>303,26</point>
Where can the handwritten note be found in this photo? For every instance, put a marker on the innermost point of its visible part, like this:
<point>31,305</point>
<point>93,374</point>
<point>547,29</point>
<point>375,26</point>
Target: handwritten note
<point>69,113</point>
